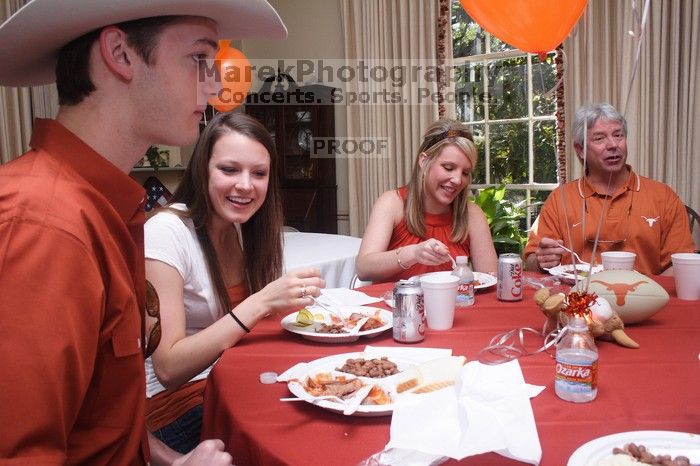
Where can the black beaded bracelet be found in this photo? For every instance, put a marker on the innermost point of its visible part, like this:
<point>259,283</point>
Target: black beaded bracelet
<point>238,321</point>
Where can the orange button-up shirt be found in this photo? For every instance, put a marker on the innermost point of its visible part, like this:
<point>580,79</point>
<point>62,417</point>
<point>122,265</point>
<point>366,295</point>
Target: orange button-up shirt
<point>643,216</point>
<point>71,305</point>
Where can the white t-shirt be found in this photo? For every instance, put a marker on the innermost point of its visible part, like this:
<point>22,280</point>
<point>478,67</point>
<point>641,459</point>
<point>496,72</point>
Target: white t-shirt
<point>172,240</point>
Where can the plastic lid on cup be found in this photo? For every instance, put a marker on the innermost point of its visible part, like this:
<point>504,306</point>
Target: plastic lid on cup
<point>438,278</point>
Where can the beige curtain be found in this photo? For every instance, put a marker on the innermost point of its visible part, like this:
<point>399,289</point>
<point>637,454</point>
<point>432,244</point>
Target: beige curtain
<point>663,113</point>
<point>19,106</point>
<point>391,32</point>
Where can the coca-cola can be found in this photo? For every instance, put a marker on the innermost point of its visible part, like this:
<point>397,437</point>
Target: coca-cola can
<point>409,312</point>
<point>510,278</point>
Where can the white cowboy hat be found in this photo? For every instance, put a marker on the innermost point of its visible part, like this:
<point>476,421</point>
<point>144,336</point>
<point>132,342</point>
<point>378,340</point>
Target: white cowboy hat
<point>31,38</point>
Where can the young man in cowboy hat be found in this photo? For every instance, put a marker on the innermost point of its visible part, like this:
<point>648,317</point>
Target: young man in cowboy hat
<point>71,220</point>
<point>641,215</point>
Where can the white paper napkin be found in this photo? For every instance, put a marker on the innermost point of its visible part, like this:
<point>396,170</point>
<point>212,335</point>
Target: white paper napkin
<point>487,410</point>
<point>345,297</point>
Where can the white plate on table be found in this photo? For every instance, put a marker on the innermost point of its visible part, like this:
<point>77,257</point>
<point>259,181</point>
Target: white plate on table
<point>658,442</point>
<point>485,280</point>
<point>566,272</point>
<point>310,334</point>
<point>330,364</point>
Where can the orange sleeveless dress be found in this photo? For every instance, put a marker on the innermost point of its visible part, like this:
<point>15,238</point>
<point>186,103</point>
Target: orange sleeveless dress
<point>438,226</point>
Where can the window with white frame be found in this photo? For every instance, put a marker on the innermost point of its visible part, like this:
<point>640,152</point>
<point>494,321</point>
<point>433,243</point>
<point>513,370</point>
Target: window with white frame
<point>506,96</point>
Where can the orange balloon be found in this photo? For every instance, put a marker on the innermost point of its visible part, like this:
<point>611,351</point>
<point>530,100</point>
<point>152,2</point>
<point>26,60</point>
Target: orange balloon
<point>236,77</point>
<point>535,26</point>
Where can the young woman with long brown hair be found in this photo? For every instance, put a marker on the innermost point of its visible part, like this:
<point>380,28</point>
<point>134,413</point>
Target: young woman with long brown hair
<point>214,256</point>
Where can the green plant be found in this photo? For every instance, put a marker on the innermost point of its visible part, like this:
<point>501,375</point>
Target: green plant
<point>504,217</point>
<point>157,157</point>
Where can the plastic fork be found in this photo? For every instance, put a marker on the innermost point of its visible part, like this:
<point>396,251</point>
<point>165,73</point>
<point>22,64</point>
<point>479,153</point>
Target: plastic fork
<point>326,308</point>
<point>576,256</point>
<point>358,326</point>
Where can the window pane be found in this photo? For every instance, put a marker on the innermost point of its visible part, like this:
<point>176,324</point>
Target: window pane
<point>545,152</point>
<point>494,87</point>
<point>543,81</point>
<point>507,81</point>
<point>479,173</point>
<point>517,196</point>
<point>497,45</point>
<point>467,36</point>
<point>539,196</point>
<point>509,142</point>
<point>537,199</point>
<point>469,87</point>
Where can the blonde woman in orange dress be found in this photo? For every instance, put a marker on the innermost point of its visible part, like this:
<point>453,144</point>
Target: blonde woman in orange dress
<point>416,228</point>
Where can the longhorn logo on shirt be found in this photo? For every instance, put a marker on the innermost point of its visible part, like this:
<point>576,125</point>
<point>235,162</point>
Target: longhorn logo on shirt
<point>650,220</point>
<point>620,289</point>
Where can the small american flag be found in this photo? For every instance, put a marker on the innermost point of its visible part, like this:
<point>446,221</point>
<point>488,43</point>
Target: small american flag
<point>156,194</point>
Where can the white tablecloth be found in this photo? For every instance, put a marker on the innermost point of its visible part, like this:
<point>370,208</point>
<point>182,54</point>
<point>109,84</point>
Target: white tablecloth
<point>333,255</point>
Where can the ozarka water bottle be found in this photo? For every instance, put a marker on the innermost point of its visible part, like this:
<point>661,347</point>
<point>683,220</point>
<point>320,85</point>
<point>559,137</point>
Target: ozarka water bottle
<point>465,291</point>
<point>576,376</point>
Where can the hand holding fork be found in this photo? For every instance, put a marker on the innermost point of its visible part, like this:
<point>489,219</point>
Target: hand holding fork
<point>548,254</point>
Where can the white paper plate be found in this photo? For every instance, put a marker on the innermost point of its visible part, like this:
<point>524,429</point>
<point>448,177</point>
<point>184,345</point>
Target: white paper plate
<point>309,333</point>
<point>566,272</point>
<point>329,364</point>
<point>485,280</point>
<point>658,442</point>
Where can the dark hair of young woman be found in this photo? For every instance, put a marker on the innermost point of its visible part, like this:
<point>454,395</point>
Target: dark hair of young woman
<point>261,234</point>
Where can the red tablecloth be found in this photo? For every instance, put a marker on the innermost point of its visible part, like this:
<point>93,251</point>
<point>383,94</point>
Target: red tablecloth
<point>656,387</point>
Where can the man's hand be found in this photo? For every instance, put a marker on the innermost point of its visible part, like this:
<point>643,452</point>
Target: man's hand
<point>207,453</point>
<point>548,254</point>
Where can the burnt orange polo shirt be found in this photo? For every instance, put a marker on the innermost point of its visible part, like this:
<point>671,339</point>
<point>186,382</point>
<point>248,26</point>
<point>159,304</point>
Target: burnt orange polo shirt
<point>72,289</point>
<point>643,216</point>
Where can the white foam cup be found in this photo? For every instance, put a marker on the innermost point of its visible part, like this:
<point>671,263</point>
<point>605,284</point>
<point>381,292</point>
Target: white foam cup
<point>439,295</point>
<point>686,273</point>
<point>618,260</point>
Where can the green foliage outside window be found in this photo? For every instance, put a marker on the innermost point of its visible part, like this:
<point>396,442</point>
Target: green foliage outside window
<point>505,115</point>
<point>505,218</point>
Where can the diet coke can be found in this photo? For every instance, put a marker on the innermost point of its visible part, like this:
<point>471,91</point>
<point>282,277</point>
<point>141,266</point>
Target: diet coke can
<point>409,313</point>
<point>510,278</point>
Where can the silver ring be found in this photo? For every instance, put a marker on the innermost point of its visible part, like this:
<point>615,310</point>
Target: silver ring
<point>303,291</point>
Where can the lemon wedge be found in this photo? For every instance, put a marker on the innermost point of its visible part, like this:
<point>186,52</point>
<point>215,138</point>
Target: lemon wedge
<point>304,318</point>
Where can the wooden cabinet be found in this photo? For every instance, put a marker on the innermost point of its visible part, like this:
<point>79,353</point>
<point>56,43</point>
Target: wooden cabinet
<point>302,123</point>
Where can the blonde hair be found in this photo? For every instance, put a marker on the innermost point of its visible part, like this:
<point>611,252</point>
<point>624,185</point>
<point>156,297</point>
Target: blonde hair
<point>438,135</point>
